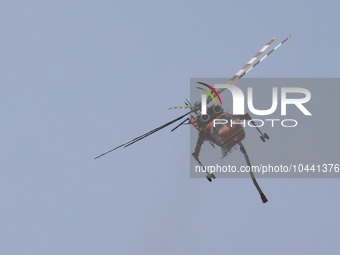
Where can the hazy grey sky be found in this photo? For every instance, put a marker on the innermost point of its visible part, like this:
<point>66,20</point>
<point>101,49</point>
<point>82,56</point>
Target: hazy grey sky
<point>80,77</point>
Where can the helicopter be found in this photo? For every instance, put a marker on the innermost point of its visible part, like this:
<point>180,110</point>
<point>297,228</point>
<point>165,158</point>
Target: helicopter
<point>225,136</point>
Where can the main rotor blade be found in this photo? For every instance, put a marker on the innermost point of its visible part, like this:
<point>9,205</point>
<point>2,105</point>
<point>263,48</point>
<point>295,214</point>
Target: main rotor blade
<point>180,107</point>
<point>154,131</point>
<point>180,124</point>
<point>143,136</point>
<point>258,62</point>
<point>232,80</point>
<point>251,61</point>
<point>238,75</point>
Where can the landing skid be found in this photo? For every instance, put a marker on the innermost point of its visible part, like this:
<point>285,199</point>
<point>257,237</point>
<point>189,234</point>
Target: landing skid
<point>243,150</point>
<point>264,136</point>
<point>210,176</point>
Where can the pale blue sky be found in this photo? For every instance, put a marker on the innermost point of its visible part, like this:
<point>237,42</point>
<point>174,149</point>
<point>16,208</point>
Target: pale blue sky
<point>79,77</point>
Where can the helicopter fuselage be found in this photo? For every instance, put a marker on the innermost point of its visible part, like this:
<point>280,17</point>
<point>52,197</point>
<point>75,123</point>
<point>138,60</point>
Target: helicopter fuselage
<point>225,136</point>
